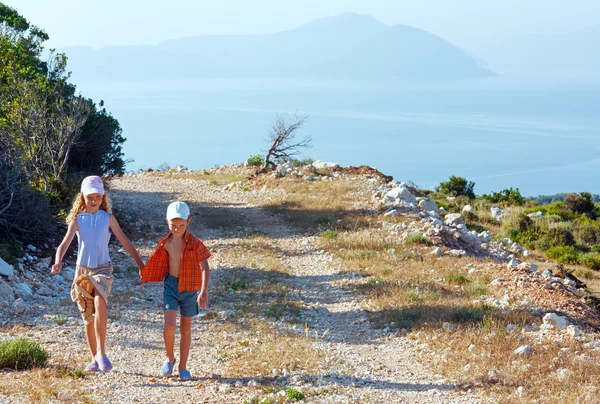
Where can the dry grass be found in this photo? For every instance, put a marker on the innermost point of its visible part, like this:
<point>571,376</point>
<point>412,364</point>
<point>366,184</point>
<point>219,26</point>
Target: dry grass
<point>410,289</point>
<point>493,352</point>
<point>217,178</point>
<point>59,381</point>
<point>271,349</point>
<point>326,204</point>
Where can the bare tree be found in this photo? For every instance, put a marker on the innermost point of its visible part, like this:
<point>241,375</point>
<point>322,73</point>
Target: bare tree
<point>282,138</point>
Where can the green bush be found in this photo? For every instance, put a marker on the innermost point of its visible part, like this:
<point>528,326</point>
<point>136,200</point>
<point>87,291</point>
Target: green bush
<point>293,394</point>
<point>329,234</point>
<point>557,236</point>
<point>418,239</point>
<point>457,186</point>
<point>591,261</point>
<point>564,254</point>
<point>21,354</point>
<point>256,160</point>
<point>507,196</point>
<point>581,204</point>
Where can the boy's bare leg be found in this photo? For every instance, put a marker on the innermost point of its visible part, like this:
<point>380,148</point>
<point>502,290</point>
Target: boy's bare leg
<point>186,340</point>
<point>100,320</point>
<point>90,336</point>
<point>169,333</point>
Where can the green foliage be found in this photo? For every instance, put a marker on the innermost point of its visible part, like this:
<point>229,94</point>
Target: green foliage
<point>302,162</point>
<point>329,234</point>
<point>11,249</point>
<point>293,394</point>
<point>591,261</point>
<point>323,220</point>
<point>236,284</point>
<point>557,236</point>
<point>457,279</point>
<point>468,314</point>
<point>581,204</point>
<point>507,196</point>
<point>21,354</point>
<point>418,239</point>
<point>564,254</point>
<point>99,148</point>
<point>457,186</point>
<point>256,160</point>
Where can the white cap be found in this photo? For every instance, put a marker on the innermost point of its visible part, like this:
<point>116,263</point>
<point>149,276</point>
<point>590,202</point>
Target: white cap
<point>92,185</point>
<point>178,210</point>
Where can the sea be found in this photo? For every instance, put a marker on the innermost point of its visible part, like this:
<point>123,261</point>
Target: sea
<point>538,134</point>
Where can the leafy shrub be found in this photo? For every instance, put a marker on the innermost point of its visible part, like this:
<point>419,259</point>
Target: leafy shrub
<point>418,239</point>
<point>457,186</point>
<point>509,196</point>
<point>457,279</point>
<point>256,160</point>
<point>21,353</point>
<point>293,394</point>
<point>581,204</point>
<point>323,220</point>
<point>557,236</point>
<point>564,254</point>
<point>329,234</point>
<point>301,163</point>
<point>591,261</point>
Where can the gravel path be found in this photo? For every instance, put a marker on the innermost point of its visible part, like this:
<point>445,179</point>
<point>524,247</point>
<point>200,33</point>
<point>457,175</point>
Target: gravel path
<point>360,364</point>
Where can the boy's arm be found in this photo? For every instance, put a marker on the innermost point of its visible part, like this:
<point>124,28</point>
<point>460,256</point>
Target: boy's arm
<point>203,295</point>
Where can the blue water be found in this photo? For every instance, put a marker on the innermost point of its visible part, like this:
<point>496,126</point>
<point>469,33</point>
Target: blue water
<point>542,136</point>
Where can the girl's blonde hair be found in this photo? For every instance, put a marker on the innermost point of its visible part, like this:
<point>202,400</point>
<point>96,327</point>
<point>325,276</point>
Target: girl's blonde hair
<point>79,206</point>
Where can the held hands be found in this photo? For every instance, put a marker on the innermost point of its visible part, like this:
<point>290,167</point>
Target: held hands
<point>56,268</point>
<point>203,298</point>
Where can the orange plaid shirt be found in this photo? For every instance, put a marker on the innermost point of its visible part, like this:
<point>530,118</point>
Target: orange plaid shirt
<point>190,273</point>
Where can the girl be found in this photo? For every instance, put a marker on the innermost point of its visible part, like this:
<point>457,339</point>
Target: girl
<point>91,219</point>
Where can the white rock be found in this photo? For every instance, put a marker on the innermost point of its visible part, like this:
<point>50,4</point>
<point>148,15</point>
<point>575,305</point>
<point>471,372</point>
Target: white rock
<point>392,212</point>
<point>31,248</point>
<point>574,331</point>
<point>320,164</point>
<point>437,251</point>
<point>6,292</point>
<point>453,219</point>
<point>556,321</point>
<point>19,306</point>
<point>562,374</point>
<point>428,205</point>
<point>471,347</point>
<point>468,209</point>
<point>512,263</point>
<point>402,194</point>
<point>5,268</point>
<point>497,213</point>
<point>523,350</point>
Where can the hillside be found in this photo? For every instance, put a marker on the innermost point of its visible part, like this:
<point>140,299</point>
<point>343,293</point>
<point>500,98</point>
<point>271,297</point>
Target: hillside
<point>337,283</point>
<point>346,45</point>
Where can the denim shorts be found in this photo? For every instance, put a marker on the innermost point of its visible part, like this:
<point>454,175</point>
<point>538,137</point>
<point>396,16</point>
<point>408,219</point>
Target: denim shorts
<point>184,300</point>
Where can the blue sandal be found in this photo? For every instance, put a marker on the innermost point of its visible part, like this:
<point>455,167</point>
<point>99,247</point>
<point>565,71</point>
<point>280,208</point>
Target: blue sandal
<point>184,374</point>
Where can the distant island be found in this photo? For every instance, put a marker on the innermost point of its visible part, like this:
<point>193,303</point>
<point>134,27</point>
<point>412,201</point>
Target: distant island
<point>344,46</point>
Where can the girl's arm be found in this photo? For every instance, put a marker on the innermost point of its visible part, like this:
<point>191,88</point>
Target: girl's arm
<point>64,245</point>
<point>127,245</point>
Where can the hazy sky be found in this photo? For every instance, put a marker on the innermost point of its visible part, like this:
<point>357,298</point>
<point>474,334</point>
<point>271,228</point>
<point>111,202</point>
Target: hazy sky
<point>472,24</point>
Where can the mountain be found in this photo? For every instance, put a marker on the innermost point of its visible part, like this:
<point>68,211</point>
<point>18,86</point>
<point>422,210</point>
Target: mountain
<point>346,45</point>
<point>572,51</point>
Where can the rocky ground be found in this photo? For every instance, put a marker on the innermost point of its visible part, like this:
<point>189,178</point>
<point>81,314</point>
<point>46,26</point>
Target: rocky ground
<point>281,314</point>
<point>359,363</point>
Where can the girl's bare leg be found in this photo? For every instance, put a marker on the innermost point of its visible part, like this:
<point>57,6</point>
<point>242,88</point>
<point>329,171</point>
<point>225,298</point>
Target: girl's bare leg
<point>100,324</point>
<point>90,336</point>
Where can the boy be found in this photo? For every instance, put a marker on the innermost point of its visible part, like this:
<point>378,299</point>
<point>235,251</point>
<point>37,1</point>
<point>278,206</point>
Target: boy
<point>180,261</point>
